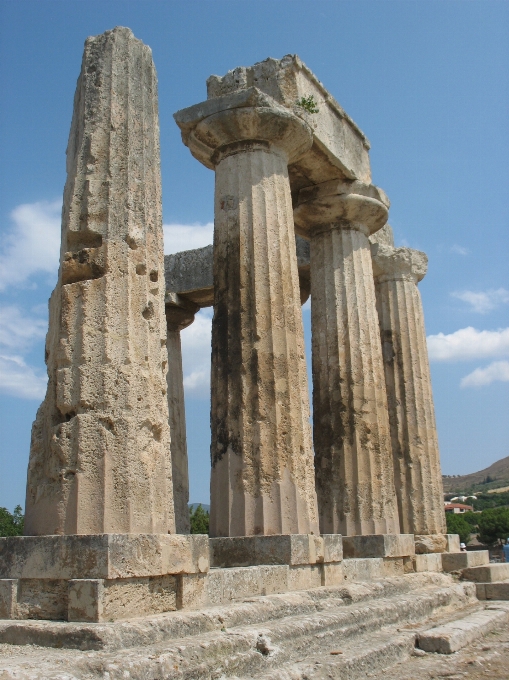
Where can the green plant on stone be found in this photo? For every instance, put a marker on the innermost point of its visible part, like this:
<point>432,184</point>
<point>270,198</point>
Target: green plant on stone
<point>308,104</point>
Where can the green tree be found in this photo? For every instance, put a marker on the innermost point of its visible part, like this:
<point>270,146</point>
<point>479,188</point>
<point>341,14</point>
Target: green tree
<point>199,519</point>
<point>472,518</point>
<point>493,525</point>
<point>11,525</point>
<point>457,524</point>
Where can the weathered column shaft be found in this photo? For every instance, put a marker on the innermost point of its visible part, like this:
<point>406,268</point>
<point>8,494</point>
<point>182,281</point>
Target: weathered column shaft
<point>418,476</point>
<point>353,462</point>
<point>262,465</point>
<point>262,479</point>
<point>99,459</point>
<point>178,318</point>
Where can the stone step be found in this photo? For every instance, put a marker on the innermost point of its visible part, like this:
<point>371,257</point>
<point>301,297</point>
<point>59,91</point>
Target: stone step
<point>464,560</point>
<point>452,636</point>
<point>493,591</point>
<point>238,650</point>
<point>488,573</point>
<point>366,655</point>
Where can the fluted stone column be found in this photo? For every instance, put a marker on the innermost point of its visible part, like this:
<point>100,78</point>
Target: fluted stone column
<point>99,457</point>
<point>353,460</point>
<point>262,460</point>
<point>418,476</point>
<point>179,315</point>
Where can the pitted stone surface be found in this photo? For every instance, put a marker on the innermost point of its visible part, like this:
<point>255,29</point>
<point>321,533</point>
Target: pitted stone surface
<point>99,457</point>
<point>262,478</point>
<point>417,473</point>
<point>353,458</point>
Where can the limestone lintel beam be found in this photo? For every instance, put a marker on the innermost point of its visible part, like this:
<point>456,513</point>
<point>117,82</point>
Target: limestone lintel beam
<point>339,147</point>
<point>189,275</point>
<point>353,458</point>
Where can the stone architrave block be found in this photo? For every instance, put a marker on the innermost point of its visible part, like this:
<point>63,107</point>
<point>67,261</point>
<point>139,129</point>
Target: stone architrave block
<point>339,146</point>
<point>378,545</point>
<point>273,578</point>
<point>107,556</point>
<point>394,566</point>
<point>428,562</point>
<point>237,551</point>
<point>8,598</point>
<point>464,560</point>
<point>453,543</point>
<point>487,573</point>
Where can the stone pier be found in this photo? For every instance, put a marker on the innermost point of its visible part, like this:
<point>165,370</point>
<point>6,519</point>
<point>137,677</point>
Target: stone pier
<point>418,477</point>
<point>179,315</point>
<point>262,461</point>
<point>353,461</point>
<point>99,507</point>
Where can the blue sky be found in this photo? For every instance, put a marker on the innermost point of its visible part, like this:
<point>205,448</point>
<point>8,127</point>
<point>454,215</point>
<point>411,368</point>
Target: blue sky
<point>428,83</point>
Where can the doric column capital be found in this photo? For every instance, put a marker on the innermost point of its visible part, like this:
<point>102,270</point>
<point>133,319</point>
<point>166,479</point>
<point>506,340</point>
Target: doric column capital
<point>243,121</point>
<point>341,204</point>
<point>393,264</point>
<point>179,312</point>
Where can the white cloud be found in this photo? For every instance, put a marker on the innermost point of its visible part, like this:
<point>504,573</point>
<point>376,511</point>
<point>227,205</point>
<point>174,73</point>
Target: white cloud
<point>20,380</point>
<point>483,302</point>
<point>18,331</point>
<point>196,349</point>
<point>496,371</point>
<point>459,250</point>
<point>32,245</point>
<point>468,343</point>
<point>178,237</point>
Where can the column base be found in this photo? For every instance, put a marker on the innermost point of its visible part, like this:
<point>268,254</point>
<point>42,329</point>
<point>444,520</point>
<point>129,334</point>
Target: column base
<point>104,577</point>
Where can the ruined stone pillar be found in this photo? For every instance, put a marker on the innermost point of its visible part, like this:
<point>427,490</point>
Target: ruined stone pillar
<point>417,472</point>
<point>178,317</point>
<point>99,457</point>
<point>353,460</point>
<point>262,460</point>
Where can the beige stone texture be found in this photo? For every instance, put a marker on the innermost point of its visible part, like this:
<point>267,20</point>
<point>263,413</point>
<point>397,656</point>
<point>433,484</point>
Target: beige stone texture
<point>332,574</point>
<point>8,598</point>
<point>381,545</point>
<point>302,577</point>
<point>430,543</point>
<point>107,556</point>
<point>464,560</point>
<point>262,480</point>
<point>396,566</point>
<point>453,543</point>
<point>486,573</point>
<point>294,549</point>
<point>192,591</point>
<point>417,473</point>
<point>353,458</point>
<point>427,562</point>
<point>179,315</point>
<point>99,457</point>
<point>363,569</point>
<point>339,146</point>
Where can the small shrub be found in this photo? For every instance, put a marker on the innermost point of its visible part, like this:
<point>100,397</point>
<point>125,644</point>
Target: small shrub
<point>457,524</point>
<point>308,104</point>
<point>199,519</point>
<point>11,525</point>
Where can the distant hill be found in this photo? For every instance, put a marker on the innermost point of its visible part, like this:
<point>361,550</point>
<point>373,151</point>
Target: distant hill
<point>193,506</point>
<point>492,477</point>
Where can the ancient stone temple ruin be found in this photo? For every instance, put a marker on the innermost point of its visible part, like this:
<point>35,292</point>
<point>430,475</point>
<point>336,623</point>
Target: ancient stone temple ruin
<point>300,521</point>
